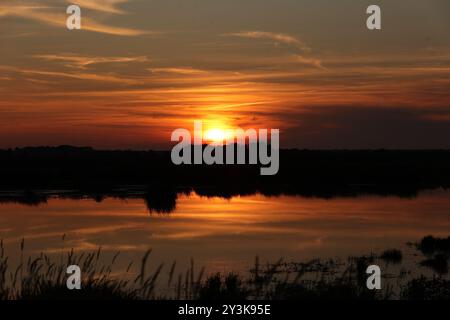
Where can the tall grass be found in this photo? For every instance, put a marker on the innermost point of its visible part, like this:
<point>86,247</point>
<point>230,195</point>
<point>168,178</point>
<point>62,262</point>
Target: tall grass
<point>44,277</point>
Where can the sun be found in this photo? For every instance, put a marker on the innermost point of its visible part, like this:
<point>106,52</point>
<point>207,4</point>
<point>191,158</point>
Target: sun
<point>215,135</point>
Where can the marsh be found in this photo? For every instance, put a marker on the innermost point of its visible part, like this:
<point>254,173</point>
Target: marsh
<point>224,233</point>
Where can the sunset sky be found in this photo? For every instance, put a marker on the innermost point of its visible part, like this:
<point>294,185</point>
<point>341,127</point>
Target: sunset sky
<point>139,69</point>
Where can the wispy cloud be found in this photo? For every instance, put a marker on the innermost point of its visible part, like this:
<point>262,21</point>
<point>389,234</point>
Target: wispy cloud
<point>287,39</point>
<point>108,6</point>
<point>54,17</point>
<point>72,75</point>
<point>93,26</point>
<point>17,35</point>
<point>309,61</point>
<point>276,37</point>
<point>83,62</point>
<point>186,71</point>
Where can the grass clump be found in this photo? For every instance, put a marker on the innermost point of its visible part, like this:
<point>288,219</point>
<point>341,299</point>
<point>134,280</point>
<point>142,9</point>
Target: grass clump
<point>438,263</point>
<point>219,288</point>
<point>430,245</point>
<point>42,277</point>
<point>438,251</point>
<point>427,289</point>
<point>393,256</point>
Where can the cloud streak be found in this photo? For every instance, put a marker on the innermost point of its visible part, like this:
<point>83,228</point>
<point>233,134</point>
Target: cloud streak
<point>53,17</point>
<point>309,61</point>
<point>181,71</point>
<point>83,62</point>
<point>108,6</point>
<point>285,39</point>
<point>276,37</point>
<point>72,75</point>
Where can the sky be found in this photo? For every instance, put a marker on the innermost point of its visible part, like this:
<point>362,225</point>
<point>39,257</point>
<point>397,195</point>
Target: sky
<point>138,69</point>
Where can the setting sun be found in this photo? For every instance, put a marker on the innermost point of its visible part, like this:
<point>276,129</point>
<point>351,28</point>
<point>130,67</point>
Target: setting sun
<point>215,135</point>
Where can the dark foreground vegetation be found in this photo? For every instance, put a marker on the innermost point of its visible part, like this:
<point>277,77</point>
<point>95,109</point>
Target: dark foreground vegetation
<point>43,278</point>
<point>83,172</point>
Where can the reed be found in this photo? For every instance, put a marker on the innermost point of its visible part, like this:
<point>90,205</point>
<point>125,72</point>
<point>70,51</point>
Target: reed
<point>43,277</point>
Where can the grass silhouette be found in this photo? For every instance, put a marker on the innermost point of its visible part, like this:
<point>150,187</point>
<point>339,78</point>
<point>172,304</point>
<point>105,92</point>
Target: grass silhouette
<point>42,277</point>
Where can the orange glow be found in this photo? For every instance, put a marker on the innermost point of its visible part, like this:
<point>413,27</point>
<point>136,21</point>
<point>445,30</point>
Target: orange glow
<point>216,135</point>
<point>293,227</point>
<point>216,130</point>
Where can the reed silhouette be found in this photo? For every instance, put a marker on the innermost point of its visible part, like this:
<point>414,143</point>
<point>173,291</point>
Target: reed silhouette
<point>44,277</point>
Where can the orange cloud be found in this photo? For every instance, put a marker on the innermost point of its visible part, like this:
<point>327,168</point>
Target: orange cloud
<point>85,61</point>
<point>50,16</point>
<point>108,6</point>
<point>277,37</point>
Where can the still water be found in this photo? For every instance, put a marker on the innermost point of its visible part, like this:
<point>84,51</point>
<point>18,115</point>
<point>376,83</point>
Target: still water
<point>226,234</point>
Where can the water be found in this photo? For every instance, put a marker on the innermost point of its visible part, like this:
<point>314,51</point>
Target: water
<point>225,235</point>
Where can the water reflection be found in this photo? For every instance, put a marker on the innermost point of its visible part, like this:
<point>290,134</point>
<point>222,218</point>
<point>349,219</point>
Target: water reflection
<point>163,199</point>
<point>226,233</point>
